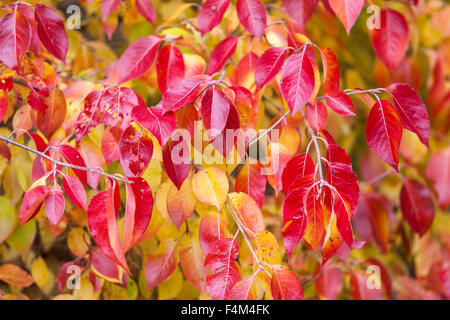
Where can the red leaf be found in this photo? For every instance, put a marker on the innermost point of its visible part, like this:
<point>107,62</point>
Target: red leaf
<point>294,218</point>
<point>285,285</point>
<point>331,72</point>
<point>340,103</point>
<point>228,138</point>
<point>347,11</point>
<point>160,126</point>
<point>438,170</point>
<point>51,31</point>
<point>336,153</point>
<point>344,180</point>
<point>343,220</point>
<point>384,132</point>
<point>32,202</point>
<point>391,40</point>
<point>102,221</point>
<point>221,53</point>
<point>135,152</point>
<point>315,231</point>
<point>15,38</point>
<point>192,263</point>
<point>181,94</point>
<point>252,15</point>
<point>252,182</point>
<point>65,273</point>
<point>268,65</point>
<point>169,66</point>
<point>55,204</point>
<point>411,110</point>
<point>299,172</point>
<point>417,205</point>
<point>177,161</point>
<point>104,267</point>
<point>211,14</point>
<point>247,212</point>
<point>359,289</point>
<point>378,209</point>
<point>297,81</point>
<point>74,157</point>
<point>110,144</point>
<point>301,11</point>
<point>215,109</point>
<point>138,211</point>
<point>316,115</point>
<point>212,228</point>
<point>226,271</point>
<point>146,9</point>
<point>75,191</point>
<point>161,265</point>
<point>137,58</point>
<point>329,283</point>
<point>39,142</point>
<point>242,289</point>
<point>220,284</point>
<point>107,7</point>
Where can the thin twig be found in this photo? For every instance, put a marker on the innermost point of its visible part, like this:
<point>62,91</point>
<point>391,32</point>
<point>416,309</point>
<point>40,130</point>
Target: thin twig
<point>258,262</point>
<point>60,163</point>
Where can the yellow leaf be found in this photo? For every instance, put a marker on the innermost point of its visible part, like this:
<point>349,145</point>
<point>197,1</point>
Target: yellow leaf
<point>78,241</point>
<point>40,272</point>
<point>210,186</point>
<point>171,287</point>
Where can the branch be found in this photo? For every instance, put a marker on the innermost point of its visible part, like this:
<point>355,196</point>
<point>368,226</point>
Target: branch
<point>60,163</point>
<point>241,230</point>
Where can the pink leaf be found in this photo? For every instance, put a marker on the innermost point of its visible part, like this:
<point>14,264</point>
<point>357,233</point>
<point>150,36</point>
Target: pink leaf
<point>102,221</point>
<point>160,126</point>
<point>211,14</point>
<point>411,110</point>
<point>298,172</point>
<point>55,204</point>
<point>297,81</point>
<point>137,58</point>
<point>146,9</point>
<point>169,67</point>
<point>252,15</point>
<point>51,31</point>
<point>177,161</point>
<point>74,157</point>
<point>135,152</point>
<point>215,109</point>
<point>417,205</point>
<point>438,170</point>
<point>110,144</point>
<point>161,265</point>
<point>285,285</point>
<point>32,202</point>
<point>183,93</point>
<point>301,10</point>
<point>221,53</point>
<point>107,7</point>
<point>75,191</point>
<point>138,211</point>
<point>15,38</point>
<point>268,65</point>
<point>340,103</point>
<point>316,115</point>
<point>391,40</point>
